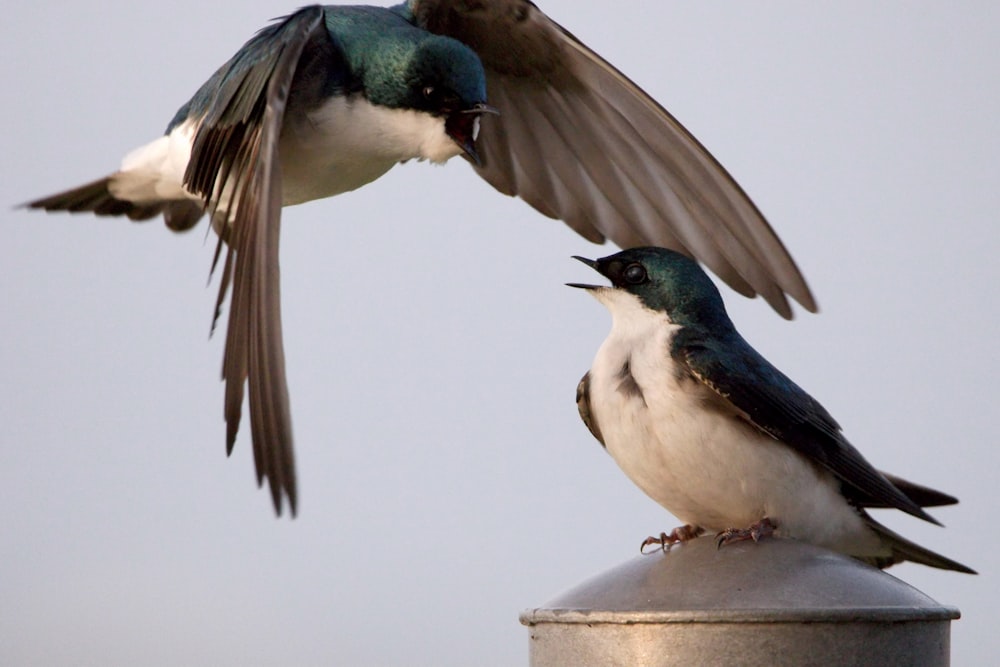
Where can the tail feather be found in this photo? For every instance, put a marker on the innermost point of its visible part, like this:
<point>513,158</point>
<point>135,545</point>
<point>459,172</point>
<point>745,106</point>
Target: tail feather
<point>95,197</point>
<point>905,550</point>
<point>924,496</point>
<point>182,214</point>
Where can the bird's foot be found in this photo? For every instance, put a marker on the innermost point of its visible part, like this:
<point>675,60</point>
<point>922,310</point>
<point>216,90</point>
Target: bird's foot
<point>665,540</point>
<point>763,528</point>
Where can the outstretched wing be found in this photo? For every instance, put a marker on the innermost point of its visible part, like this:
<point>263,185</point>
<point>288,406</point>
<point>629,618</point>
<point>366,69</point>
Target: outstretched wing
<point>579,141</point>
<point>235,166</point>
<point>763,396</point>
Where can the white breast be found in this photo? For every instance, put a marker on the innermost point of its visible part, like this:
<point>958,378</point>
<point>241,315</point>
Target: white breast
<point>707,466</point>
<point>349,142</point>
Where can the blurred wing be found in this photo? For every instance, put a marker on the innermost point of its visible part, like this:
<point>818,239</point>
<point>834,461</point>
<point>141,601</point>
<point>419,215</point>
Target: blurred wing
<point>580,142</point>
<point>767,399</point>
<point>235,166</point>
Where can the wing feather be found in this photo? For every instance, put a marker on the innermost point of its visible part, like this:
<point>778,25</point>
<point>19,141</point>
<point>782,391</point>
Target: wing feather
<point>235,166</point>
<point>583,406</point>
<point>645,180</point>
<point>772,403</point>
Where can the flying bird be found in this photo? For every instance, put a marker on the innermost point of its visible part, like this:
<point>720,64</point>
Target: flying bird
<point>723,440</point>
<point>328,99</point>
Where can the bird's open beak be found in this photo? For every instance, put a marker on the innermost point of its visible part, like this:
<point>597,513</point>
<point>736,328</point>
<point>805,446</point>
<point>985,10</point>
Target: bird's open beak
<point>592,264</point>
<point>463,127</point>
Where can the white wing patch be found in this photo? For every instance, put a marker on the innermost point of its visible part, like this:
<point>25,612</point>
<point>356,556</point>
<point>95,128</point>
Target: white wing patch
<point>155,172</point>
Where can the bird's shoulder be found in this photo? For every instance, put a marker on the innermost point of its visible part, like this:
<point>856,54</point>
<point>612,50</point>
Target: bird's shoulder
<point>512,37</point>
<point>238,85</point>
<point>729,366</point>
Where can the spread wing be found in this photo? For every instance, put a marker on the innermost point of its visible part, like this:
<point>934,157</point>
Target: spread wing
<point>579,141</point>
<point>235,166</point>
<point>763,396</point>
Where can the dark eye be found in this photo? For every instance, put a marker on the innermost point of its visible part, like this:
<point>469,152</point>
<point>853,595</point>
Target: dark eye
<point>429,92</point>
<point>634,274</point>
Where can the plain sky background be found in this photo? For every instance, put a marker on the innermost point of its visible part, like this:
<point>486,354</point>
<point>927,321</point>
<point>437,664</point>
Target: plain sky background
<point>446,480</point>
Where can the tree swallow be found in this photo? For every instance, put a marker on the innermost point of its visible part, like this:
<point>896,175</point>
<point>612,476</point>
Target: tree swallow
<point>710,430</point>
<point>328,99</point>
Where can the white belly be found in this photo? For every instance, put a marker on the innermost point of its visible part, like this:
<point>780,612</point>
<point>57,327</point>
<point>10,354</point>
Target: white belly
<point>338,147</point>
<point>349,142</point>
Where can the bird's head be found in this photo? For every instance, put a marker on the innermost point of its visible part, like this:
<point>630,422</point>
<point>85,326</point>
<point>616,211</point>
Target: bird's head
<point>659,280</point>
<point>445,78</point>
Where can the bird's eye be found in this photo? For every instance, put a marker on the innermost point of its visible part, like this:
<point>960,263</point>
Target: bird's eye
<point>429,92</point>
<point>634,274</point>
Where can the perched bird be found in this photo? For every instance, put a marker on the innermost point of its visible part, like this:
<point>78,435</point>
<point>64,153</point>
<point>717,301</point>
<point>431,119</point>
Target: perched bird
<point>710,430</point>
<point>328,99</point>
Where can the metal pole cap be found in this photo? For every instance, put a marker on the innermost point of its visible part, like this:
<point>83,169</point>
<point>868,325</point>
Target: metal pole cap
<point>775,602</point>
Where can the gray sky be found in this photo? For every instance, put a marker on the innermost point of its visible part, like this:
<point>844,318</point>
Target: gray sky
<point>433,351</point>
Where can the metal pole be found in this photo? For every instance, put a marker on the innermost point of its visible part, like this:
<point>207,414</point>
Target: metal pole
<point>775,602</point>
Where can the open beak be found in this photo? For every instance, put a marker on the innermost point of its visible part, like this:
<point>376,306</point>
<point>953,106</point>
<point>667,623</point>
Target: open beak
<point>463,127</point>
<point>592,264</point>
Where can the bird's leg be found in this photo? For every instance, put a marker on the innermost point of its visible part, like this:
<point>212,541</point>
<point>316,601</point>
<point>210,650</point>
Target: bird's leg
<point>763,528</point>
<point>665,541</point>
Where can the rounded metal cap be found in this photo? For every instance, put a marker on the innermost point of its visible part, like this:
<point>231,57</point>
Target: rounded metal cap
<point>772,602</point>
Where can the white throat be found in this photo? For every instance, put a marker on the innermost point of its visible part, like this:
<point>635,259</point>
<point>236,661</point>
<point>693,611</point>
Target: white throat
<point>629,316</point>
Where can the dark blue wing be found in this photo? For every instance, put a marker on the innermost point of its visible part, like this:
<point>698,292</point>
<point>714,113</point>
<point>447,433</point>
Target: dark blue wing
<point>771,402</point>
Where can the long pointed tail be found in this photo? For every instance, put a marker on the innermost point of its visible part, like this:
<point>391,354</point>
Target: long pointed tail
<point>96,197</point>
<point>903,550</point>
